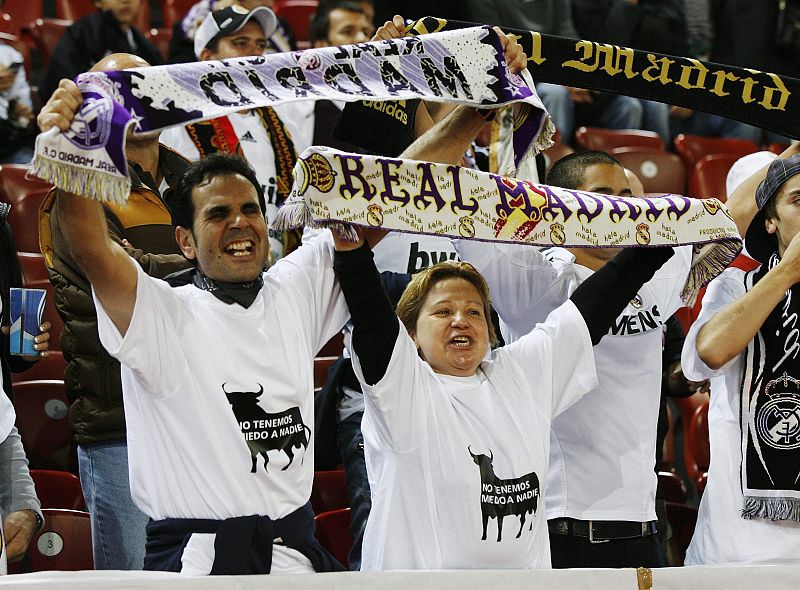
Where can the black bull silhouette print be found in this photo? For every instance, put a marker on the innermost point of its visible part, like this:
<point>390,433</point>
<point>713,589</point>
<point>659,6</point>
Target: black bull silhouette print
<point>268,432</point>
<point>504,497</point>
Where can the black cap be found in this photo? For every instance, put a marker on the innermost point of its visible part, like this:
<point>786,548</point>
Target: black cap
<point>760,244</point>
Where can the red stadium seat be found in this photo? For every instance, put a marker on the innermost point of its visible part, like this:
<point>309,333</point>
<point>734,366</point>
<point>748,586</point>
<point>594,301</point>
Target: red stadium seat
<point>298,14</point>
<point>58,489</point>
<point>660,172</point>
<point>24,195</point>
<point>34,276</point>
<point>777,148</point>
<point>173,11</point>
<point>75,9</point>
<point>333,347</point>
<point>329,491</point>
<point>697,447</point>
<point>692,148</point>
<point>333,532</point>
<point>23,12</point>
<point>688,406</point>
<point>709,175</point>
<point>160,38</point>
<point>65,542</point>
<point>672,487</point>
<point>553,154</point>
<point>597,138</point>
<point>682,519</point>
<point>42,422</point>
<point>49,368</point>
<point>46,32</point>
<point>6,24</point>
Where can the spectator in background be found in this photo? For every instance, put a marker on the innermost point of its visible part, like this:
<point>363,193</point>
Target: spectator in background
<point>268,137</point>
<point>569,107</point>
<point>650,25</point>
<point>336,22</point>
<point>16,109</point>
<point>92,377</point>
<point>744,35</point>
<point>90,39</point>
<point>19,506</point>
<point>181,45</point>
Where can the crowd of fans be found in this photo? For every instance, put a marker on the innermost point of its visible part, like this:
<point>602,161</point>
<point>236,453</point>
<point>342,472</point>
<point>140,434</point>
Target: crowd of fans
<point>461,397</point>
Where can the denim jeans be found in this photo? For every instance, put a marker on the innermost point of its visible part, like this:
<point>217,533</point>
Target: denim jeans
<point>23,155</point>
<point>118,526</point>
<point>351,444</point>
<point>621,112</point>
<point>701,123</point>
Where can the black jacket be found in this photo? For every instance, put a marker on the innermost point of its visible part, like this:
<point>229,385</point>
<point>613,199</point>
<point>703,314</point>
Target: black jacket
<point>650,25</point>
<point>744,36</point>
<point>88,41</point>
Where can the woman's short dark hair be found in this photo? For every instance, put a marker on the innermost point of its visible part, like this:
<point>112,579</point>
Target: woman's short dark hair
<point>180,202</point>
<point>410,305</point>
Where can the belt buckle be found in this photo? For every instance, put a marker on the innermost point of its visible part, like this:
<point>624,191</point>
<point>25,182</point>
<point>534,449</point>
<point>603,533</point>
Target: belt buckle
<point>592,540</point>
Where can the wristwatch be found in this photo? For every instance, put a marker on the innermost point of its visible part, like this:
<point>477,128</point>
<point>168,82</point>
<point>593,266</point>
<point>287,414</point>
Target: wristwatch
<point>39,519</point>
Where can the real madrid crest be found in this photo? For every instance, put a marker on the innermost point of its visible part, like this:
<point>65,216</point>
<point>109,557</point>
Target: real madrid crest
<point>777,421</point>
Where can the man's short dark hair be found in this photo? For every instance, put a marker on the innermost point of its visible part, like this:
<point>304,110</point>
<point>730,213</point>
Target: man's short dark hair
<point>569,171</point>
<point>180,202</point>
<point>321,22</point>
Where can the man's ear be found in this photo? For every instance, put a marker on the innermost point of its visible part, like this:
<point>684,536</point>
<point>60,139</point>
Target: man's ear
<point>185,240</point>
<point>770,225</point>
<point>205,54</point>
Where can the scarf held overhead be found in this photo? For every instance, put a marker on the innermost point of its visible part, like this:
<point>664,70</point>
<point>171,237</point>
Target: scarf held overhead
<point>422,197</point>
<point>466,66</point>
<point>762,99</point>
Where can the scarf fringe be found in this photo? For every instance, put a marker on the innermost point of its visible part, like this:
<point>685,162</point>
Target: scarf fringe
<point>544,139</point>
<point>92,184</point>
<point>294,213</point>
<point>771,508</point>
<point>346,231</point>
<point>709,261</point>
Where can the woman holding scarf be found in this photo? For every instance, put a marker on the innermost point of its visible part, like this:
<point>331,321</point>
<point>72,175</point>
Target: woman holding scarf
<point>457,435</point>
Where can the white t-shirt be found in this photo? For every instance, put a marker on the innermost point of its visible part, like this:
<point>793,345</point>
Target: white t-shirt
<point>428,437</point>
<point>602,455</point>
<point>722,535</point>
<point>298,117</point>
<point>411,253</point>
<point>196,448</point>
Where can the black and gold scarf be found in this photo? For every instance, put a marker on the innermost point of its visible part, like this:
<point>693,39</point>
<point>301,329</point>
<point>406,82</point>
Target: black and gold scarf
<point>770,410</point>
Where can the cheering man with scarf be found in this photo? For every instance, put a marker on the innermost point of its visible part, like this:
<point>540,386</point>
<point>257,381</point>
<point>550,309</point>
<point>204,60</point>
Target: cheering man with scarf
<point>268,138</point>
<point>746,341</point>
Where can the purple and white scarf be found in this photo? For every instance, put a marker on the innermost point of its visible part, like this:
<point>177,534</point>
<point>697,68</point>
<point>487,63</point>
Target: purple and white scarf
<point>333,187</point>
<point>465,66</point>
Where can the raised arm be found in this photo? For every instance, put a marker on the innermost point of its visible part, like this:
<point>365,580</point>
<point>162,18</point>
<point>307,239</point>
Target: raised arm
<point>447,141</point>
<point>105,263</point>
<point>742,202</point>
<point>603,296</point>
<point>727,334</point>
<point>375,324</point>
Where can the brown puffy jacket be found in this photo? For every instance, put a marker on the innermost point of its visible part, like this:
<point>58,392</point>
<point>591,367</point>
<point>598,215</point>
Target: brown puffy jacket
<point>92,377</point>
